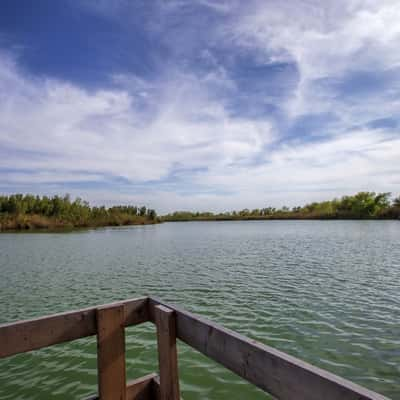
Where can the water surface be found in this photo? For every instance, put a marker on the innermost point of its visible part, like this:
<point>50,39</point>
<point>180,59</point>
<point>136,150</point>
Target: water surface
<point>325,291</point>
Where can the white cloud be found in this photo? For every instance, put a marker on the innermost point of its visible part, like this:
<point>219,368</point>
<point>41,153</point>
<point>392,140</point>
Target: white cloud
<point>356,161</point>
<point>325,40</point>
<point>107,132</point>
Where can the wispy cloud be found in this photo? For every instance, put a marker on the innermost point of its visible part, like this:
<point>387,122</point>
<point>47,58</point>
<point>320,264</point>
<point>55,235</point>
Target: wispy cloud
<point>328,41</point>
<point>110,132</point>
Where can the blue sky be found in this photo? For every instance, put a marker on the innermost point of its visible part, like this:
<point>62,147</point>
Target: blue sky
<point>199,104</point>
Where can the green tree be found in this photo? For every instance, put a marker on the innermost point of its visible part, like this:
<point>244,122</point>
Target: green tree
<point>142,211</point>
<point>152,214</point>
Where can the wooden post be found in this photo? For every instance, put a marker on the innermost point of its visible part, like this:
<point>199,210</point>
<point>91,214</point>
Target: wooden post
<point>167,353</point>
<point>282,376</point>
<point>111,352</point>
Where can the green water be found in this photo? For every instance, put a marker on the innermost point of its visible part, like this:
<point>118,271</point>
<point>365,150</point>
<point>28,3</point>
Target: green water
<point>325,291</point>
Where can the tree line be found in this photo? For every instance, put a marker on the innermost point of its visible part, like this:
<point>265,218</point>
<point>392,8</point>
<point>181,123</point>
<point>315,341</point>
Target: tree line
<point>363,205</point>
<point>18,211</point>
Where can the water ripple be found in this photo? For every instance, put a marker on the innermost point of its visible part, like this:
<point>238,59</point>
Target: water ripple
<point>327,292</point>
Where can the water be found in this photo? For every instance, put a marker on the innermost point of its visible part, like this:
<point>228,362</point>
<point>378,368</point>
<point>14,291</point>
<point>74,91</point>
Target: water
<point>325,291</point>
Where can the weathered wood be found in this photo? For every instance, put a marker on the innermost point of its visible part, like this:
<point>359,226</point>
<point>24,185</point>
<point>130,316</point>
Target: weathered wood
<point>138,389</point>
<point>277,373</point>
<point>22,336</point>
<point>141,388</point>
<point>111,352</point>
<point>155,388</point>
<point>283,376</point>
<point>167,353</point>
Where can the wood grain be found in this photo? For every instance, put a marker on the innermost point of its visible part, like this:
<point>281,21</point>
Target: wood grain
<point>22,336</point>
<point>167,353</point>
<point>111,352</point>
<point>283,376</point>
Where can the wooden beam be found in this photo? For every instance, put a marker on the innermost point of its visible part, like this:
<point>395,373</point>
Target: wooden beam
<point>22,336</point>
<point>283,376</point>
<point>141,388</point>
<point>167,353</point>
<point>277,373</point>
<point>138,389</point>
<point>155,387</point>
<point>111,352</point>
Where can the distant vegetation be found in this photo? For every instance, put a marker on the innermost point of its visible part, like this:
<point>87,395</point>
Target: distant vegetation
<point>34,212</point>
<point>18,212</point>
<point>363,205</point>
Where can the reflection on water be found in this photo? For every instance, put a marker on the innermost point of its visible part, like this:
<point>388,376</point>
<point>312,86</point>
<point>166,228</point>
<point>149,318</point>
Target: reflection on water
<point>325,291</point>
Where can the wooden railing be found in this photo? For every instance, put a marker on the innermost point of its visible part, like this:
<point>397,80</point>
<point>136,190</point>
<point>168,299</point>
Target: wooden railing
<point>281,375</point>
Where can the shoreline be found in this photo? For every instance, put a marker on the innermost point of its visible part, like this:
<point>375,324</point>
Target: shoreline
<point>66,229</point>
<point>222,219</point>
<point>28,213</point>
<point>58,228</point>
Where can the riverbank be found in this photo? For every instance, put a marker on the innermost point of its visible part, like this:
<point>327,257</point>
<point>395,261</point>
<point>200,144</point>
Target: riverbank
<point>363,205</point>
<point>40,223</point>
<point>276,218</point>
<point>27,212</point>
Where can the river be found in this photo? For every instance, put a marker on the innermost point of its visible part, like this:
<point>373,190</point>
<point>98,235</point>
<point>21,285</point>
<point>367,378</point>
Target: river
<point>327,292</point>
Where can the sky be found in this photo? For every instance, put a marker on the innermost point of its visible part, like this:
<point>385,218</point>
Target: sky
<point>200,105</point>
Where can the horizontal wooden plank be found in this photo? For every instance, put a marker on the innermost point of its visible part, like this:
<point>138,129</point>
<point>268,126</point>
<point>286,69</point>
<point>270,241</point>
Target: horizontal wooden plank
<point>156,391</point>
<point>143,388</point>
<point>283,376</point>
<point>22,336</point>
